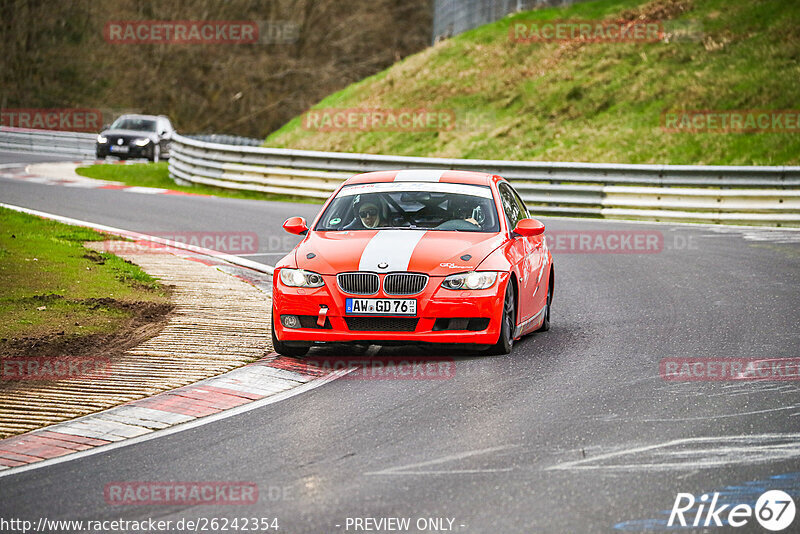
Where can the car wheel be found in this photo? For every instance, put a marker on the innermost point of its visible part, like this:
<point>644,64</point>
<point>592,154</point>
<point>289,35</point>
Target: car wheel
<point>546,324</point>
<point>156,153</point>
<point>284,349</point>
<point>506,340</point>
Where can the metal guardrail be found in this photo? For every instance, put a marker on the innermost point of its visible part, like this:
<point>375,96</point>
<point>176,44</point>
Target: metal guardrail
<point>72,144</point>
<point>226,139</point>
<point>451,17</point>
<point>715,194</point>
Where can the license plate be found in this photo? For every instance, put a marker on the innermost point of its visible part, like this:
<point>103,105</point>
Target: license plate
<point>120,149</point>
<point>380,307</point>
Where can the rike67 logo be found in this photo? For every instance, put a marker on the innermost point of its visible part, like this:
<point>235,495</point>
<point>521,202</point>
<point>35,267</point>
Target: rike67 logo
<point>774,510</point>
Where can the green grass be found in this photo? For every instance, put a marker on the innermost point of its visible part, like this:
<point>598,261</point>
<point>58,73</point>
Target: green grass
<point>595,102</point>
<point>157,175</point>
<point>50,283</point>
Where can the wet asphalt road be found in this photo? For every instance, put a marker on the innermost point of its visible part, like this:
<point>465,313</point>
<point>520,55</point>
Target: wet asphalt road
<point>574,432</point>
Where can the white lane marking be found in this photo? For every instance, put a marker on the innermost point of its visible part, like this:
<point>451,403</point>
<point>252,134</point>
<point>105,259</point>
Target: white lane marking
<point>693,453</point>
<point>709,417</point>
<point>145,190</point>
<point>393,247</point>
<point>419,175</point>
<point>235,260</point>
<point>183,426</point>
<point>408,468</point>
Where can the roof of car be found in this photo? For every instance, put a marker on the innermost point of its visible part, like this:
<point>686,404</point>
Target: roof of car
<point>138,116</point>
<point>422,175</point>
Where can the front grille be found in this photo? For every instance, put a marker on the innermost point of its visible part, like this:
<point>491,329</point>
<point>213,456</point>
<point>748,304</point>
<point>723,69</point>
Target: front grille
<point>381,324</point>
<point>404,283</point>
<point>358,283</point>
<point>113,140</point>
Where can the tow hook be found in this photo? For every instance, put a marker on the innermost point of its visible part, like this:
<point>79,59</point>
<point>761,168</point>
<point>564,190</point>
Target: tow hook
<point>323,313</point>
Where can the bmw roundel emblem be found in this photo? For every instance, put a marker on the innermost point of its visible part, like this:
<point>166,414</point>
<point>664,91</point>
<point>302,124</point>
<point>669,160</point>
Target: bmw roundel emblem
<point>383,265</point>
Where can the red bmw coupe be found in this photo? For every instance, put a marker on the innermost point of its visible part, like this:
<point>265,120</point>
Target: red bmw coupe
<point>415,256</point>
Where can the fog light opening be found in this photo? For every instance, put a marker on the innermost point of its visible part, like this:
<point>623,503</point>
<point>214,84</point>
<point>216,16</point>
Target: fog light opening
<point>290,321</point>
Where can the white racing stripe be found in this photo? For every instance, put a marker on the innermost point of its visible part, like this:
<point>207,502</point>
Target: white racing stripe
<point>393,247</point>
<point>419,175</point>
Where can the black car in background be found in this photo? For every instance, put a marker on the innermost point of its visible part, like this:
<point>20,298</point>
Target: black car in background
<point>136,136</point>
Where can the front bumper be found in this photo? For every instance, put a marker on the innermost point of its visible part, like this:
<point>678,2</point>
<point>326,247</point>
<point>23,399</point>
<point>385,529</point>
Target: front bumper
<point>433,303</point>
<point>134,151</point>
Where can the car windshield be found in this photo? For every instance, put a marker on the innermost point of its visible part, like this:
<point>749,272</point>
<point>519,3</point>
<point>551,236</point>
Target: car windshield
<point>410,205</point>
<point>130,123</point>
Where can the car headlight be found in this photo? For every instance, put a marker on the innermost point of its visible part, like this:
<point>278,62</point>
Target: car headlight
<point>301,278</point>
<point>141,142</point>
<point>473,280</point>
<point>102,139</point>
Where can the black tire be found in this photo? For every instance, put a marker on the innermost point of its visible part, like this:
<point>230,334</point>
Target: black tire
<point>505,342</point>
<point>284,349</point>
<point>546,324</point>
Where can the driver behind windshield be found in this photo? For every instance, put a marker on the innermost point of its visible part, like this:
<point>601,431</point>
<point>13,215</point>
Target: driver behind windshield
<point>462,208</point>
<point>369,213</point>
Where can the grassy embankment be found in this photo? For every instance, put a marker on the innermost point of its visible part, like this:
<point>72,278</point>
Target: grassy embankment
<point>157,175</point>
<point>58,296</point>
<point>589,102</point>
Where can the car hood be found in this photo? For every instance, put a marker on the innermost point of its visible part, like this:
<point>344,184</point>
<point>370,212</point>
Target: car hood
<point>437,253</point>
<point>129,133</point>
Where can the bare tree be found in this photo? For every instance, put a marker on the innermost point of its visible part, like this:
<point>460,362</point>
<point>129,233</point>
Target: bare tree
<point>55,55</point>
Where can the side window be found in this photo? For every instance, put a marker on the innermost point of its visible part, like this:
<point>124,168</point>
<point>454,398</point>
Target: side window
<point>510,206</point>
<point>523,208</point>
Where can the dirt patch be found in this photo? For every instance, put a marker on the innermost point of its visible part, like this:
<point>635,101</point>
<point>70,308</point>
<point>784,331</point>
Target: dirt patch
<point>146,320</point>
<point>659,10</point>
<point>95,257</point>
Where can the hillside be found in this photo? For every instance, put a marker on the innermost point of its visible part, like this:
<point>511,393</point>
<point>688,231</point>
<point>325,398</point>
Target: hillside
<point>58,55</point>
<point>581,101</point>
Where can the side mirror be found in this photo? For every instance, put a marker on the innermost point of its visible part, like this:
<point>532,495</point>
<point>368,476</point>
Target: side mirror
<point>296,225</point>
<point>529,228</point>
